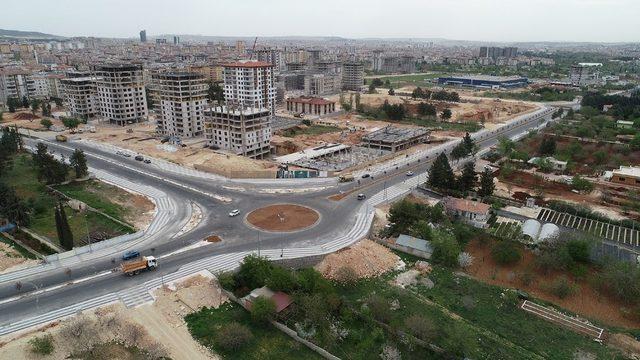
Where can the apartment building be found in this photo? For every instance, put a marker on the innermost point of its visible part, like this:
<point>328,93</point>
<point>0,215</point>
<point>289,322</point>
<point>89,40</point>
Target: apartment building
<point>242,131</point>
<point>250,84</point>
<point>321,84</point>
<point>19,83</point>
<point>352,75</point>
<point>121,93</point>
<point>80,96</point>
<point>273,56</point>
<point>183,98</point>
<point>585,73</point>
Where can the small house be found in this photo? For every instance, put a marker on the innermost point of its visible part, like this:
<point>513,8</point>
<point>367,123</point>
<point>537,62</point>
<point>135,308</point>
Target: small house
<point>412,245</point>
<point>472,212</point>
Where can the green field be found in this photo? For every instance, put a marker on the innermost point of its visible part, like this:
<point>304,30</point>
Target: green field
<point>22,251</point>
<point>98,195</point>
<point>23,177</point>
<point>397,81</point>
<point>267,343</point>
<point>310,130</point>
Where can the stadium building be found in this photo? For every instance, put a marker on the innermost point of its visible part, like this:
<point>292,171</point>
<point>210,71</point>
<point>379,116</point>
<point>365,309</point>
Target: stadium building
<point>485,81</point>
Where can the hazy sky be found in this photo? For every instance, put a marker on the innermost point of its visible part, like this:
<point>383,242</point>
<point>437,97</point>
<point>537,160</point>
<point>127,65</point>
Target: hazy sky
<point>489,20</point>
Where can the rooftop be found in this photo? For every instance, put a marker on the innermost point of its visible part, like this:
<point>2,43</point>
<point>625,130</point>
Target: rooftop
<point>414,243</point>
<point>311,153</point>
<point>485,77</point>
<point>311,100</point>
<point>248,64</point>
<point>238,111</point>
<point>466,205</point>
<point>628,171</point>
<point>394,133</point>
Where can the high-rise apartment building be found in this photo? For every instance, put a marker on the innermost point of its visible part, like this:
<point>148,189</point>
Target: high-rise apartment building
<point>183,98</point>
<point>273,56</point>
<point>143,36</point>
<point>496,52</point>
<point>352,75</point>
<point>250,84</point>
<point>121,93</point>
<point>80,96</point>
<point>176,40</point>
<point>585,73</point>
<point>242,131</point>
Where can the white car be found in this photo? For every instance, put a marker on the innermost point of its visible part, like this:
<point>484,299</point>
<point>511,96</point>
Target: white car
<point>233,213</point>
<point>409,173</point>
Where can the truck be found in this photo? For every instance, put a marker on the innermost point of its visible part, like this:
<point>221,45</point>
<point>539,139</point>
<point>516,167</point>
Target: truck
<point>61,138</point>
<point>134,267</point>
<point>345,178</point>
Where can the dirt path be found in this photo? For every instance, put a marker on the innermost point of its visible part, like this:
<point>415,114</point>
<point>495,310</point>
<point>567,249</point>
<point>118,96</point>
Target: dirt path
<point>177,339</point>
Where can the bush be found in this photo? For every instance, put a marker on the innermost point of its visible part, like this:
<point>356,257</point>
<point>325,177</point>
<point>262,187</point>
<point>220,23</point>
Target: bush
<point>226,280</point>
<point>380,308</point>
<point>505,252</point>
<point>561,287</point>
<point>262,310</point>
<point>46,123</point>
<point>346,276</point>
<point>254,271</point>
<point>421,327</point>
<point>281,279</point>
<point>621,280</point>
<point>526,278</point>
<point>232,336</point>
<point>445,249</point>
<point>42,345</point>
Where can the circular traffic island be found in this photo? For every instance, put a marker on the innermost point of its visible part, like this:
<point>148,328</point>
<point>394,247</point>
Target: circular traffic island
<point>283,218</point>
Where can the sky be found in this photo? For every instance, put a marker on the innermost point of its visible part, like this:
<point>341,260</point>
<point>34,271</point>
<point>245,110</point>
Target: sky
<point>478,20</point>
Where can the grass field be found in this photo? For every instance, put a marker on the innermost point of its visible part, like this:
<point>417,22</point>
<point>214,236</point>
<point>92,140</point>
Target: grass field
<point>22,251</point>
<point>310,130</point>
<point>397,81</point>
<point>267,342</point>
<point>98,195</point>
<point>23,177</point>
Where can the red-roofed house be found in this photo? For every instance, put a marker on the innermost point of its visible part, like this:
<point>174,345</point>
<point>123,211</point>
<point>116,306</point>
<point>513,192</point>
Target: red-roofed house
<point>472,212</point>
<point>279,298</point>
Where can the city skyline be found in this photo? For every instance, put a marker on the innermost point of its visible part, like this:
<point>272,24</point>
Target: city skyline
<point>480,20</point>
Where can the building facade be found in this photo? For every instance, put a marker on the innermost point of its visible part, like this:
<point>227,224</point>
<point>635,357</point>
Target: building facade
<point>310,105</point>
<point>250,84</point>
<point>352,76</point>
<point>121,93</point>
<point>80,96</point>
<point>183,99</point>
<point>585,74</point>
<point>242,131</point>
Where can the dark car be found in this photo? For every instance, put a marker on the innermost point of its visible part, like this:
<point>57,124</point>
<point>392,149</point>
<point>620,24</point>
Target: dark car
<point>364,176</point>
<point>131,254</point>
<point>139,157</point>
<point>361,196</point>
<point>147,161</point>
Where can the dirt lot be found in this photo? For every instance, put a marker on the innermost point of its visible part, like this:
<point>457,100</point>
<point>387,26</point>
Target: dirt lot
<point>586,301</point>
<point>142,140</point>
<point>11,259</point>
<point>157,328</point>
<point>367,258</point>
<point>283,217</point>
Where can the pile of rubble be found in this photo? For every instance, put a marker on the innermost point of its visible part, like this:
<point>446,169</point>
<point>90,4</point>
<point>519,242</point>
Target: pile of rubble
<point>366,258</point>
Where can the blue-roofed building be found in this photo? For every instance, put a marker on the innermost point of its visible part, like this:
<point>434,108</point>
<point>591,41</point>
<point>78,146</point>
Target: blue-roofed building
<point>485,81</point>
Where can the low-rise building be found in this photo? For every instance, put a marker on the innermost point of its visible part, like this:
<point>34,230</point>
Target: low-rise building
<point>310,105</point>
<point>628,175</point>
<point>472,212</point>
<point>395,138</point>
<point>485,81</point>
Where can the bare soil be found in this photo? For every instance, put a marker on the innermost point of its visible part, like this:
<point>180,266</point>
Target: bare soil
<point>283,217</point>
<point>367,258</point>
<point>586,301</point>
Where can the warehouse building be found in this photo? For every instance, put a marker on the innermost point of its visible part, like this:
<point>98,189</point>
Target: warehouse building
<point>485,81</point>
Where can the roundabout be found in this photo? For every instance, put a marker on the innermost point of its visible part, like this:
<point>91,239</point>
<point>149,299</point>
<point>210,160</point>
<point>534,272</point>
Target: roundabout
<point>283,218</point>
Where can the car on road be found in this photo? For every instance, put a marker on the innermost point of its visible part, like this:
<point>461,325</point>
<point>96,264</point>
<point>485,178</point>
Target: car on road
<point>362,196</point>
<point>131,254</point>
<point>147,161</point>
<point>409,173</point>
<point>233,213</point>
<point>139,157</point>
<point>364,176</point>
<point>126,154</point>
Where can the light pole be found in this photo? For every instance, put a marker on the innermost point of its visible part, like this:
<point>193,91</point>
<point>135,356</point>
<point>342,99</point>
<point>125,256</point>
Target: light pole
<point>86,224</point>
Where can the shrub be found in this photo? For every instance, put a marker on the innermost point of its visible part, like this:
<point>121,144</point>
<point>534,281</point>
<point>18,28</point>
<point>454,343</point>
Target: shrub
<point>505,252</point>
<point>621,280</point>
<point>311,281</point>
<point>346,275</point>
<point>561,287</point>
<point>526,278</point>
<point>262,310</point>
<point>46,123</point>
<point>380,308</point>
<point>281,279</point>
<point>421,327</point>
<point>232,336</point>
<point>254,271</point>
<point>226,280</point>
<point>42,345</point>
<point>465,260</point>
<point>445,249</point>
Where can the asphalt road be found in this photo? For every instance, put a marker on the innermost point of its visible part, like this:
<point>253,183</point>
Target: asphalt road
<point>337,217</point>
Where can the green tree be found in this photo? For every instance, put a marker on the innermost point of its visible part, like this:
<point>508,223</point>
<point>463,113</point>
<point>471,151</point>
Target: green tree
<point>425,109</point>
<point>505,252</point>
<point>440,174</point>
<point>547,146</point>
<point>46,123</point>
<point>459,151</point>
<point>422,230</point>
<point>254,271</point>
<point>79,163</point>
<point>445,249</point>
<point>372,88</point>
<point>42,345</point>
<point>70,123</point>
<point>65,236</point>
<point>262,310</point>
<point>25,102</point>
<point>391,92</point>
<point>35,105</point>
<point>469,144</point>
<point>487,185</point>
<point>281,279</point>
<point>467,178</point>
<point>215,93</point>
<point>232,336</point>
<point>581,184</point>
<point>445,114</point>
<point>12,208</point>
<point>12,104</point>
<point>505,146</point>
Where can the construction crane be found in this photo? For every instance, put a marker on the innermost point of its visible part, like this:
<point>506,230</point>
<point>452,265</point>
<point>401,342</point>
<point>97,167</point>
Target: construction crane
<point>253,49</point>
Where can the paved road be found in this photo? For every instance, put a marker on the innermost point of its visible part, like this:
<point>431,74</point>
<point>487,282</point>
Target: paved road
<point>341,223</point>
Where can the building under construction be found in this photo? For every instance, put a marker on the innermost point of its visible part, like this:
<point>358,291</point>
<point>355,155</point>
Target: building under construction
<point>393,138</point>
<point>242,131</point>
